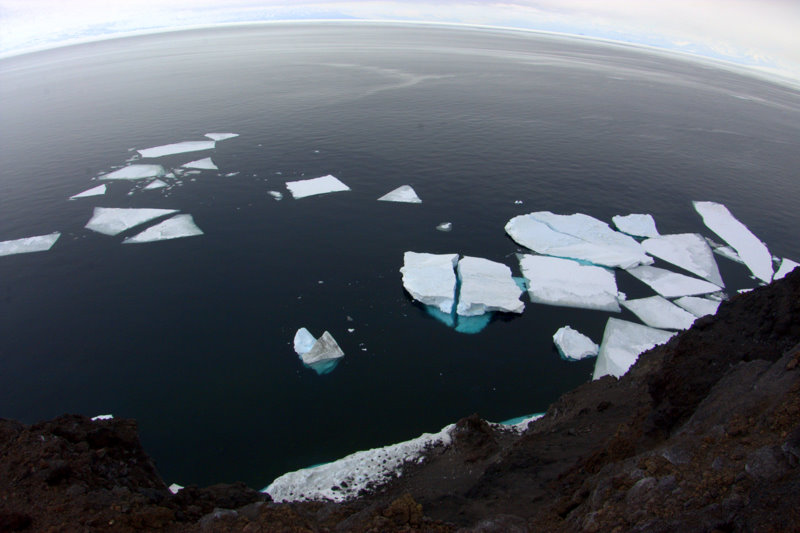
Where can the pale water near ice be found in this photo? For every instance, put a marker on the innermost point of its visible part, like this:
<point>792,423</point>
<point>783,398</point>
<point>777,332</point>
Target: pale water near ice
<point>193,336</point>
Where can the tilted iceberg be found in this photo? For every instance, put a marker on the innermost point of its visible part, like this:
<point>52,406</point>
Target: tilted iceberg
<point>431,279</point>
<point>636,225</point>
<point>94,191</point>
<point>623,341</point>
<point>221,136</point>
<point>115,220</point>
<point>135,172</point>
<point>173,228</point>
<point>689,251</point>
<point>404,193</point>
<point>573,345</point>
<point>312,187</point>
<point>321,355</point>
<point>670,284</point>
<point>39,243</point>
<point>486,286</point>
<point>659,312</point>
<point>202,164</point>
<point>698,306</point>
<point>176,148</point>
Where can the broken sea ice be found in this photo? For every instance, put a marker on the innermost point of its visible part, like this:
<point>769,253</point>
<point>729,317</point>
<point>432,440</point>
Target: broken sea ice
<point>135,172</point>
<point>312,187</point>
<point>115,220</point>
<point>176,148</point>
<point>689,251</point>
<point>94,191</point>
<point>173,228</point>
<point>636,225</point>
<point>39,243</point>
<point>486,286</point>
<point>221,136</point>
<point>404,193</point>
<point>568,283</point>
<point>787,265</point>
<point>699,307</point>
<point>431,279</point>
<point>659,312</point>
<point>622,344</point>
<point>202,164</point>
<point>573,345</point>
<point>321,355</point>
<point>670,284</point>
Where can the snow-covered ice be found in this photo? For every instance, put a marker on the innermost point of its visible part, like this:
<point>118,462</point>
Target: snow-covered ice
<point>203,164</point>
<point>135,172</point>
<point>636,225</point>
<point>115,220</point>
<point>303,341</point>
<point>94,191</point>
<point>556,281</point>
<point>155,184</point>
<point>221,136</point>
<point>102,417</point>
<point>404,193</point>
<point>728,253</point>
<point>623,341</point>
<point>698,306</point>
<point>431,279</point>
<point>321,185</point>
<point>486,286</point>
<point>787,265</point>
<point>670,284</point>
<point>573,345</point>
<point>445,226</point>
<point>688,251</point>
<point>39,243</point>
<point>659,312</point>
<point>173,228</point>
<point>750,249</point>
<point>176,148</point>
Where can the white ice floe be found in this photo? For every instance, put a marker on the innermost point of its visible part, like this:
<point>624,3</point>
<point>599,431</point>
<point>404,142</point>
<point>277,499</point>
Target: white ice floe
<point>573,345</point>
<point>445,226</point>
<point>670,284</point>
<point>94,191</point>
<point>322,185</point>
<point>486,286</point>
<point>173,228</point>
<point>156,184</point>
<point>176,148</point>
<point>431,279</point>
<point>576,236</point>
<point>556,281</point>
<point>221,136</point>
<point>753,252</point>
<point>203,164</point>
<point>659,312</point>
<point>728,253</point>
<point>404,193</point>
<point>343,479</point>
<point>115,220</point>
<point>787,265</point>
<point>39,243</point>
<point>636,225</point>
<point>303,341</point>
<point>135,172</point>
<point>688,251</point>
<point>175,488</point>
<point>623,341</point>
<point>698,306</point>
<point>276,194</point>
<point>102,417</point>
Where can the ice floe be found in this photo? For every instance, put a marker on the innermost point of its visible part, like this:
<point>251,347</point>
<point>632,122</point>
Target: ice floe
<point>135,172</point>
<point>173,228</point>
<point>698,306</point>
<point>203,164</point>
<point>321,355</point>
<point>39,243</point>
<point>787,265</point>
<point>728,253</point>
<point>404,193</point>
<point>431,279</point>
<point>276,194</point>
<point>688,251</point>
<point>659,312</point>
<point>670,284</point>
<point>486,286</point>
<point>221,136</point>
<point>445,226</point>
<point>303,341</point>
<point>102,417</point>
<point>321,185</point>
<point>568,283</point>
<point>576,236</point>
<point>156,184</point>
<point>176,148</point>
<point>573,345</point>
<point>94,191</point>
<point>115,220</point>
<point>342,480</point>
<point>750,249</point>
<point>623,341</point>
<point>636,225</point>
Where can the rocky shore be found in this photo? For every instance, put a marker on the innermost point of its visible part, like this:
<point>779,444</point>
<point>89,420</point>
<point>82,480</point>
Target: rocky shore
<point>702,434</point>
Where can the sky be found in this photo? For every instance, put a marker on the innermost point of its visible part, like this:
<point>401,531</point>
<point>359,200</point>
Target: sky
<point>759,34</point>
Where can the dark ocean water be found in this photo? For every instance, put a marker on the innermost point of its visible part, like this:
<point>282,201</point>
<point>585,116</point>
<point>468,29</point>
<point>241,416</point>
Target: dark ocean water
<point>192,337</point>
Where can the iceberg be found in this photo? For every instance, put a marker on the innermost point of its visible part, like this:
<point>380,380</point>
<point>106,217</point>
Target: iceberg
<point>303,341</point>
<point>576,236</point>
<point>221,136</point>
<point>135,172</point>
<point>276,194</point>
<point>203,164</point>
<point>670,284</point>
<point>752,251</point>
<point>623,341</point>
<point>431,279</point>
<point>659,312</point>
<point>688,251</point>
<point>698,306</point>
<point>173,228</point>
<point>486,286</point>
<point>445,226</point>
<point>176,148</point>
<point>404,193</point>
<point>312,187</point>
<point>39,243</point>
<point>573,345</point>
<point>787,265</point>
<point>156,184</point>
<point>556,281</point>
<point>94,191</point>
<point>636,225</point>
<point>321,355</point>
<point>114,220</point>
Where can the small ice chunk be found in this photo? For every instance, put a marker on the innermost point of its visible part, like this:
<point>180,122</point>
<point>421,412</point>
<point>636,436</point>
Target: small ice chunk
<point>231,174</point>
<point>636,225</point>
<point>445,226</point>
<point>659,312</point>
<point>303,341</point>
<point>688,251</point>
<point>221,136</point>
<point>744,291</point>
<point>156,184</point>
<point>431,279</point>
<point>203,164</point>
<point>175,488</point>
<point>557,281</point>
<point>102,417</point>
<point>623,341</point>
<point>787,265</point>
<point>728,253</point>
<point>173,228</point>
<point>135,172</point>
<point>670,284</point>
<point>322,185</point>
<point>698,306</point>
<point>115,220</point>
<point>324,355</point>
<point>39,243</point>
<point>573,345</point>
<point>176,148</point>
<point>753,252</point>
<point>404,193</point>
<point>486,286</point>
<point>276,194</point>
<point>94,191</point>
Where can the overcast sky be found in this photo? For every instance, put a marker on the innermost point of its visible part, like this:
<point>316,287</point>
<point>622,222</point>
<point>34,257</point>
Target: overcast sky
<point>760,33</point>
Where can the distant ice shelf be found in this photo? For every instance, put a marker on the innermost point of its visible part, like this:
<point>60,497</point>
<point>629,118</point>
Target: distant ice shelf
<point>135,172</point>
<point>636,225</point>
<point>221,136</point>
<point>622,344</point>
<point>315,186</point>
<point>201,164</point>
<point>176,148</point>
<point>115,220</point>
<point>671,284</point>
<point>689,251</point>
<point>658,312</point>
<point>39,243</point>
<point>573,345</point>
<point>176,227</point>
<point>568,283</point>
<point>94,191</point>
<point>404,193</point>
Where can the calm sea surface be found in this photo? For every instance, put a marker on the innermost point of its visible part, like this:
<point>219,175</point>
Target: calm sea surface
<point>192,337</point>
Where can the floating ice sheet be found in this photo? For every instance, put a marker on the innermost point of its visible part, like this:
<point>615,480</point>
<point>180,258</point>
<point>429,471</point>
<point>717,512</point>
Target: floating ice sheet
<point>573,345</point>
<point>173,228</point>
<point>322,185</point>
<point>698,306</point>
<point>156,184</point>
<point>203,164</point>
<point>221,136</point>
<point>404,193</point>
<point>576,236</point>
<point>40,243</point>
<point>636,225</point>
<point>787,265</point>
<point>135,172</point>
<point>94,191</point>
<point>431,279</point>
<point>670,284</point>
<point>176,148</point>
<point>623,341</point>
<point>659,312</point>
<point>688,251</point>
<point>556,281</point>
<point>486,286</point>
<point>753,252</point>
<point>728,253</point>
<point>115,220</point>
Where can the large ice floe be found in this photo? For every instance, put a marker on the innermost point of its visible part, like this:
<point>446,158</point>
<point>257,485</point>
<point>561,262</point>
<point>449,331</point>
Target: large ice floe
<point>404,193</point>
<point>39,243</point>
<point>176,148</point>
<point>659,312</point>
<point>573,345</point>
<point>623,341</point>
<point>221,136</point>
<point>576,236</point>
<point>431,279</point>
<point>749,248</point>
<point>671,284</point>
<point>689,251</point>
<point>486,286</point>
<point>636,225</point>
<point>173,228</point>
<point>568,283</point>
<point>202,164</point>
<point>115,220</point>
<point>787,265</point>
<point>94,191</point>
<point>321,355</point>
<point>135,172</point>
<point>343,479</point>
<point>314,186</point>
<point>698,306</point>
